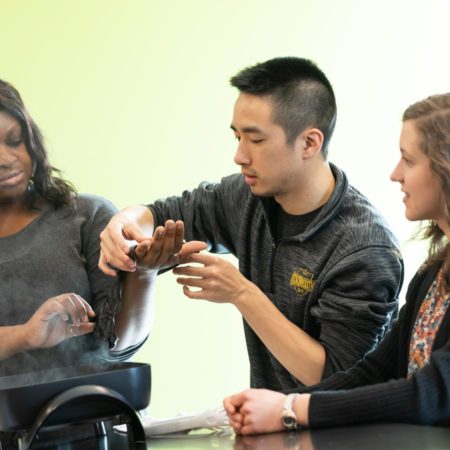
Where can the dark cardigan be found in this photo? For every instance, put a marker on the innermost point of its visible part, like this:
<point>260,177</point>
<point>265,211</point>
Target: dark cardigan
<point>376,389</point>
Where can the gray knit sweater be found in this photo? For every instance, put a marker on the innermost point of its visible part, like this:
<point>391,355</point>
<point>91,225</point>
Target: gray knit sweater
<point>58,253</point>
<point>339,280</point>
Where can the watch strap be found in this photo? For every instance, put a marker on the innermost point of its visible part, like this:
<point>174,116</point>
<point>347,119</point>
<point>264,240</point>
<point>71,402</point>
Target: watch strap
<point>289,418</point>
<point>289,400</point>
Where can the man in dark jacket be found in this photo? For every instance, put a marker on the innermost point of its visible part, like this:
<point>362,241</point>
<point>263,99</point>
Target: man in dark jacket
<point>319,270</point>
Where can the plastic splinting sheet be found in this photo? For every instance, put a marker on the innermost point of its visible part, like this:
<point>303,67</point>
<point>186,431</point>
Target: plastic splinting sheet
<point>212,419</point>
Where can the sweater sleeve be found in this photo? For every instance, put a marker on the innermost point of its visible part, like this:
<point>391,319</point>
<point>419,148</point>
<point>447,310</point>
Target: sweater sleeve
<point>357,305</point>
<point>106,291</point>
<point>376,388</point>
<point>209,212</point>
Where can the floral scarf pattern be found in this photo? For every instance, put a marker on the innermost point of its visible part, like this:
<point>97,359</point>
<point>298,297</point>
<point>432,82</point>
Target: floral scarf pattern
<point>428,320</point>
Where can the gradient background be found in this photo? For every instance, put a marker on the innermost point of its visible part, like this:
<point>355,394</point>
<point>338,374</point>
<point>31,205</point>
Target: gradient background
<point>134,101</point>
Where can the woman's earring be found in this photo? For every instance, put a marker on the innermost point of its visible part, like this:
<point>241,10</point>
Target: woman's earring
<point>31,179</point>
<point>30,187</point>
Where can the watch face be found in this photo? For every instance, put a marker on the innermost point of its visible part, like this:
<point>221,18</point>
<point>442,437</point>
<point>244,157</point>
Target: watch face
<point>289,422</point>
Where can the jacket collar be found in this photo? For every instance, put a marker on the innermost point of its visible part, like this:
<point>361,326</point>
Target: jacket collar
<point>328,211</point>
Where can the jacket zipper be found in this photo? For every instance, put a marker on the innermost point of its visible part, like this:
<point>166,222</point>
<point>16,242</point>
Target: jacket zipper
<point>272,263</point>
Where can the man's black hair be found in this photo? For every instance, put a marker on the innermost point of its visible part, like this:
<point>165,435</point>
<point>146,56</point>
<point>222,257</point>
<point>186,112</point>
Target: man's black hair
<point>301,94</point>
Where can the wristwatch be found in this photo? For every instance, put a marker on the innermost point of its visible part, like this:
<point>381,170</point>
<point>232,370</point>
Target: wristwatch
<point>288,418</point>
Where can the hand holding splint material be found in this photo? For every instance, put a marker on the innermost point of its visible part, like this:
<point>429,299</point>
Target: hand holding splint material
<point>166,248</point>
<point>215,279</point>
<point>161,251</point>
<point>150,252</point>
<point>218,281</point>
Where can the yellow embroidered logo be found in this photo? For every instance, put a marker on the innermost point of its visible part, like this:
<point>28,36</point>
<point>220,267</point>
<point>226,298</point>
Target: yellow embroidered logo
<point>302,281</point>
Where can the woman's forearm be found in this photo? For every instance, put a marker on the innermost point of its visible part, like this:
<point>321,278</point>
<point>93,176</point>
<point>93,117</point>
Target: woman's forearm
<point>12,341</point>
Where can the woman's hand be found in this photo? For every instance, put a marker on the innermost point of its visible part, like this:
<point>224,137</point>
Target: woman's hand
<point>59,318</point>
<point>255,411</point>
<point>166,248</point>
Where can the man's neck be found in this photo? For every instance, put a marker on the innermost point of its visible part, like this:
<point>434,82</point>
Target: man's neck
<point>315,190</point>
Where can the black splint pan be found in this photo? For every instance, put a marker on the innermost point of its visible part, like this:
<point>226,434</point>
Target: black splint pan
<point>72,394</point>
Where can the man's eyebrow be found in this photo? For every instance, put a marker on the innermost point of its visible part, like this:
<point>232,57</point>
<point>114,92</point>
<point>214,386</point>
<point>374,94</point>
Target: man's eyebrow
<point>247,129</point>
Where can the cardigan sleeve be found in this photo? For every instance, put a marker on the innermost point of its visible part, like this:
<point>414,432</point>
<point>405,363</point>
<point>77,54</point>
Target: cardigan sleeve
<point>379,365</point>
<point>377,389</point>
<point>423,399</point>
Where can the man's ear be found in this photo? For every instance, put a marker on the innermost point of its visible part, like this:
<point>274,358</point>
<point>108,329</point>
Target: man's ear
<point>310,142</point>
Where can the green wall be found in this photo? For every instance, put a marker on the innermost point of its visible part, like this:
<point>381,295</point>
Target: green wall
<point>134,101</point>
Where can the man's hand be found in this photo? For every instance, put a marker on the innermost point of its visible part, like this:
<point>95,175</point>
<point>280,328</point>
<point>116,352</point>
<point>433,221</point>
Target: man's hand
<point>133,224</point>
<point>219,281</point>
<point>216,280</point>
<point>58,319</point>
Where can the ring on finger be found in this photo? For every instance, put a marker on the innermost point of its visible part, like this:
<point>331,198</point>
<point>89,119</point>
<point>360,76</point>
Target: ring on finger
<point>177,254</point>
<point>73,332</point>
